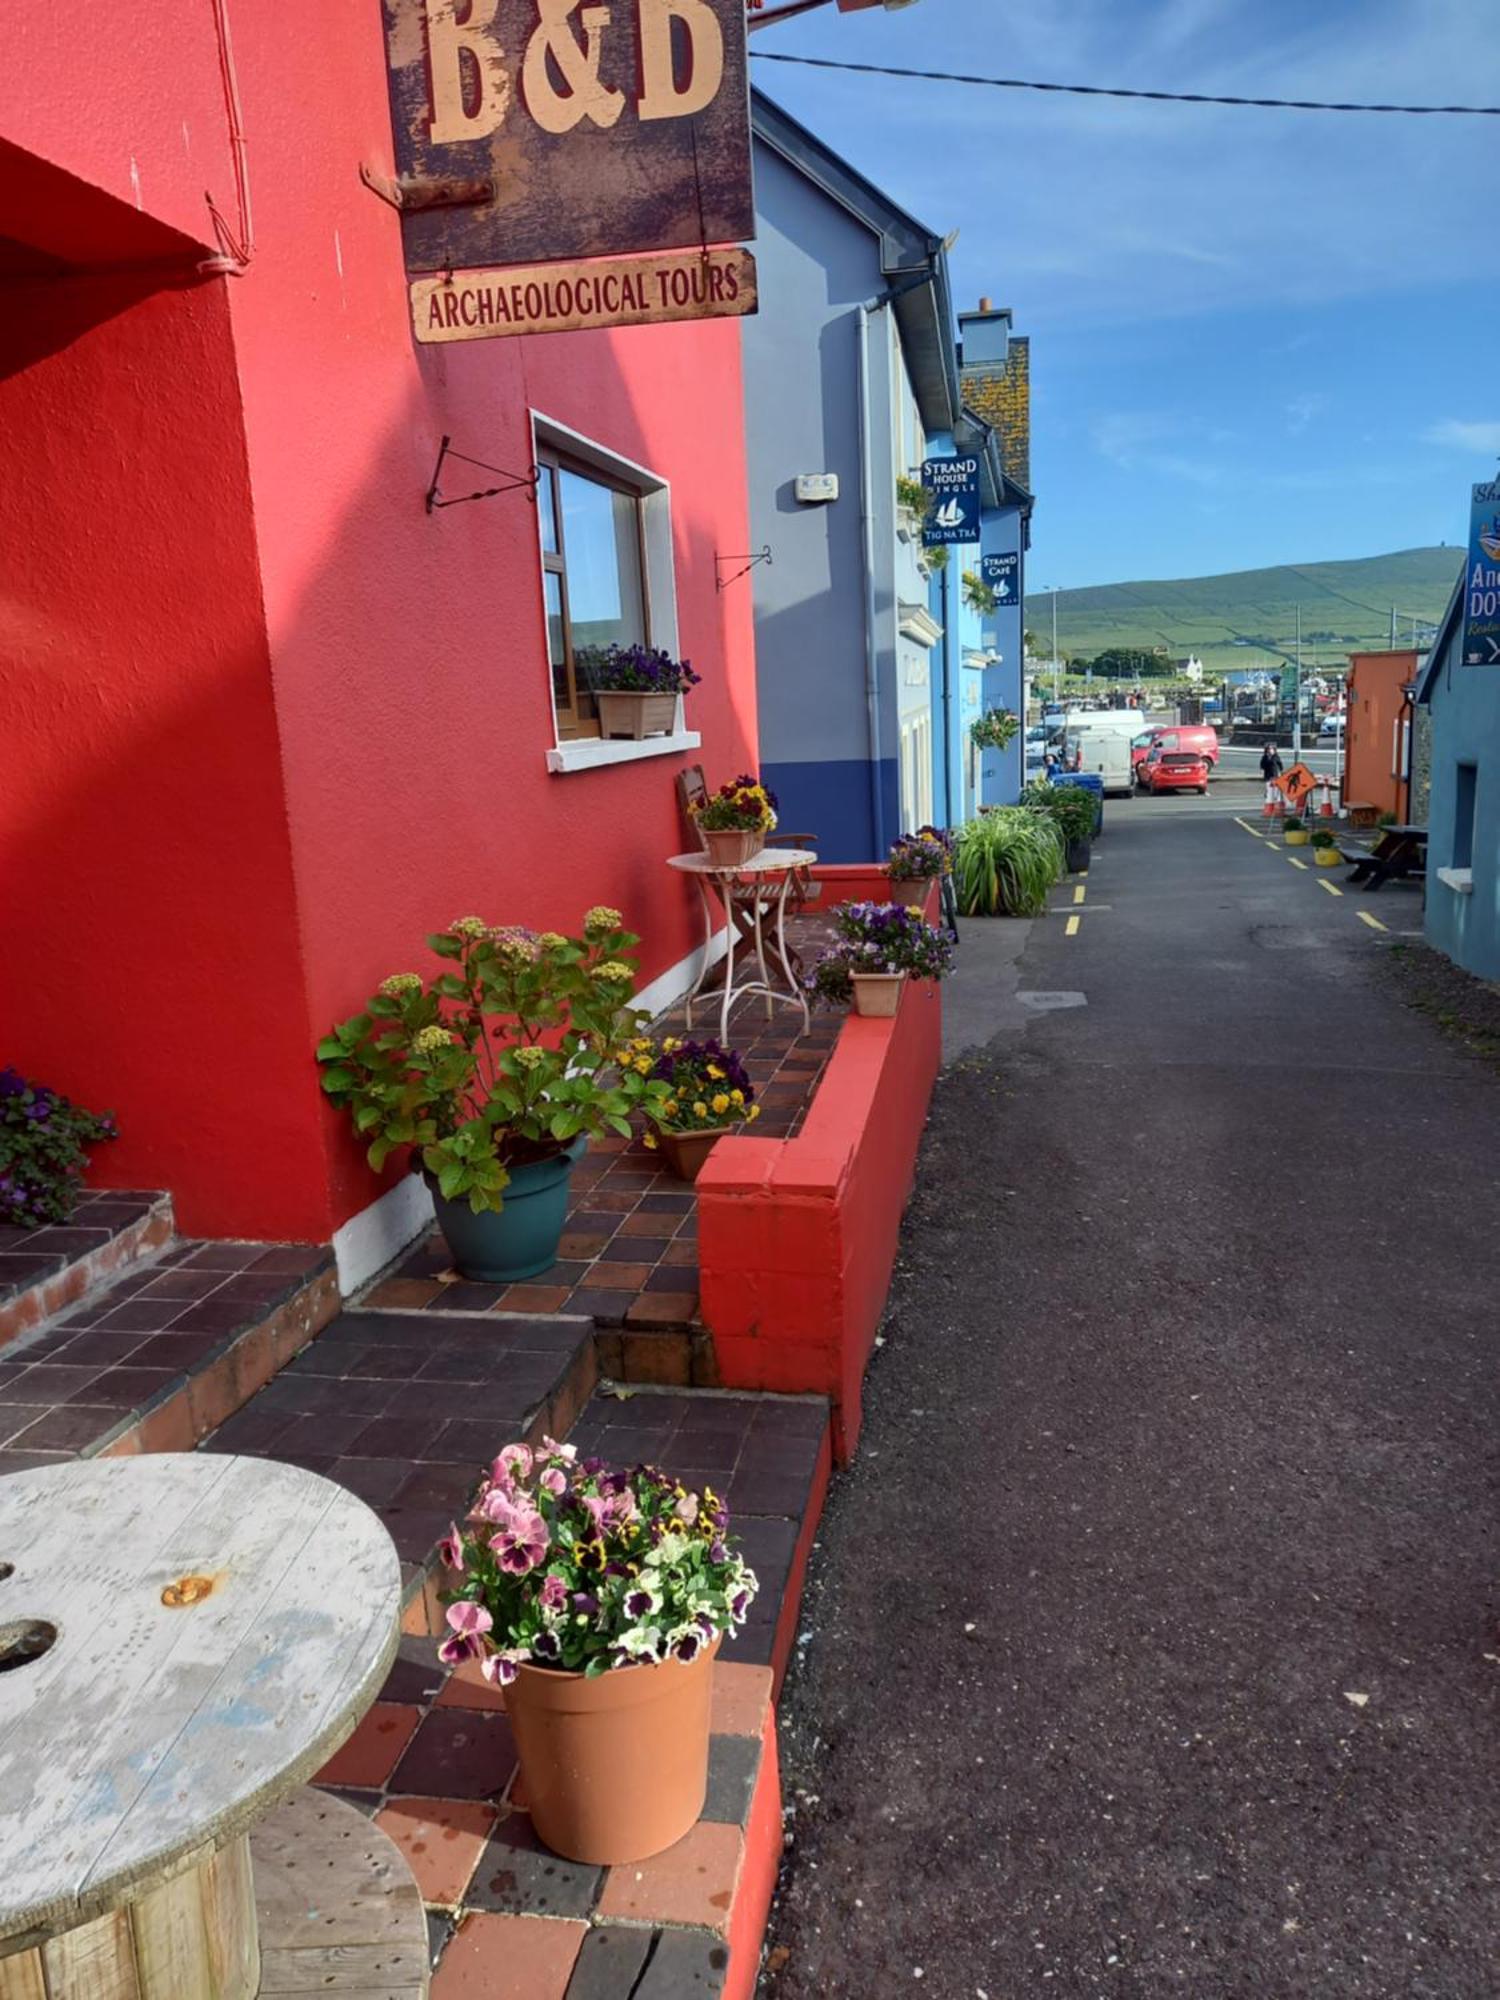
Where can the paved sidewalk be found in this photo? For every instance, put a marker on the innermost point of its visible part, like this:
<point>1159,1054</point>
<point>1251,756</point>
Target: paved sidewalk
<point>1152,1643</point>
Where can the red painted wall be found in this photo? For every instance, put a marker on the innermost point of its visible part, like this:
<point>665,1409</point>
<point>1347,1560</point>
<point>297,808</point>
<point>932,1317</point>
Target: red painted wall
<point>386,750</point>
<point>150,958</point>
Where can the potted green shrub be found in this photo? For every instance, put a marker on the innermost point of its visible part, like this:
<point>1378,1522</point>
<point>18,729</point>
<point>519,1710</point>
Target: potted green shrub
<point>709,1093</point>
<point>1073,810</point>
<point>496,1072</point>
<point>598,1600</point>
<point>735,820</point>
<point>44,1139</point>
<point>917,860</point>
<point>880,946</point>
<point>1294,830</point>
<point>1325,849</point>
<point>636,688</point>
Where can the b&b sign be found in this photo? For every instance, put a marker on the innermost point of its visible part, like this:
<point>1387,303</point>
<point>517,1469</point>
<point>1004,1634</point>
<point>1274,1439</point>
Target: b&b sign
<point>954,513</point>
<point>612,130</point>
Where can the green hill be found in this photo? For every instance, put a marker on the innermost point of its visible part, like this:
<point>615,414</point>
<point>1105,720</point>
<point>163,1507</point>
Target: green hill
<point>1249,617</point>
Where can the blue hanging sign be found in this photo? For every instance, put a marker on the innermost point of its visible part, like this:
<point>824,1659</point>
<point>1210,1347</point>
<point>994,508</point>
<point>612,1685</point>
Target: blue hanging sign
<point>954,513</point>
<point>1481,642</point>
<point>1003,575</point>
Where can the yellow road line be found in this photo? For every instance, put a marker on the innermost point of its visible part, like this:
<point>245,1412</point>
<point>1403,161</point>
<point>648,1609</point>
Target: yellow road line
<point>1332,888</point>
<point>1072,926</point>
<point>1374,922</point>
<point>1253,833</point>
<point>1079,893</point>
<point>1295,862</point>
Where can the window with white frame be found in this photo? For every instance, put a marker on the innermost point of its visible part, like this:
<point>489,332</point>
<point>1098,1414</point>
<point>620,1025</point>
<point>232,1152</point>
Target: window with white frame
<point>593,578</point>
<point>916,773</point>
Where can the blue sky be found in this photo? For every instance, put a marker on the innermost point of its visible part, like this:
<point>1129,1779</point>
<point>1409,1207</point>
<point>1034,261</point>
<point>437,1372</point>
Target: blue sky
<point>1257,337</point>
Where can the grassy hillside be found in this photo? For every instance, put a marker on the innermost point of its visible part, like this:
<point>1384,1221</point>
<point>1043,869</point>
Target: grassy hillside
<point>1346,607</point>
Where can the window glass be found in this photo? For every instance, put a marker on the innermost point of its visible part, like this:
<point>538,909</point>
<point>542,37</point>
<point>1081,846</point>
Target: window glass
<point>557,649</point>
<point>601,537</point>
<point>548,508</point>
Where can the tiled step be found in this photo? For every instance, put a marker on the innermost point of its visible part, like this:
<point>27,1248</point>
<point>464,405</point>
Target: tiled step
<point>43,1271</point>
<point>161,1357</point>
<point>407,1410</point>
<point>434,1760</point>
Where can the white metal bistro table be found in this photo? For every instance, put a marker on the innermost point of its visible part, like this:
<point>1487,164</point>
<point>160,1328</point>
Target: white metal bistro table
<point>184,1640</point>
<point>771,871</point>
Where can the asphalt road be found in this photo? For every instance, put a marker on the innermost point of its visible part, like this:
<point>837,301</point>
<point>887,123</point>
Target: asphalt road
<point>1151,1645</point>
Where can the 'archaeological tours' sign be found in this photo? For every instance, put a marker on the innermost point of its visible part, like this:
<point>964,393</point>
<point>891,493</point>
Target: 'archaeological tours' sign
<point>557,132</point>
<point>1481,646</point>
<point>564,298</point>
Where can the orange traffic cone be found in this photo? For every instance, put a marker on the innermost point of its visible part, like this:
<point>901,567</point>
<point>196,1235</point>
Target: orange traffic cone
<point>1275,805</point>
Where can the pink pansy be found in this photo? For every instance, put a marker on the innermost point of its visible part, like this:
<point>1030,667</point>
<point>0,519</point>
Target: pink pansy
<point>501,1667</point>
<point>554,1594</point>
<point>686,1509</point>
<point>494,1504</point>
<point>553,1481</point>
<point>512,1464</point>
<point>520,1541</point>
<point>451,1549</point>
<point>457,1648</point>
<point>470,1619</point>
<point>552,1449</point>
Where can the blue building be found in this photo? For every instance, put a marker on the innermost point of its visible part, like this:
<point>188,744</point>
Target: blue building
<point>1463,815</point>
<point>851,380</point>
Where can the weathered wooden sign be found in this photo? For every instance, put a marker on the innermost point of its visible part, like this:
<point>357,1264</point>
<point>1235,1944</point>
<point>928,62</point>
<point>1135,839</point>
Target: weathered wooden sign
<point>605,130</point>
<point>563,298</point>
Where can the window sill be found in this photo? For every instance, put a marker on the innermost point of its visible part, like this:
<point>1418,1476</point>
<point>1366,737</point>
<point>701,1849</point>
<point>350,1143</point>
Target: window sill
<point>587,753</point>
<point>1460,880</point>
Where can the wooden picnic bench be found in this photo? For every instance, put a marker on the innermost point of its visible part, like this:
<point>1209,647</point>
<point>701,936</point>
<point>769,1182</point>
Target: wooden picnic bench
<point>1400,854</point>
<point>184,1641</point>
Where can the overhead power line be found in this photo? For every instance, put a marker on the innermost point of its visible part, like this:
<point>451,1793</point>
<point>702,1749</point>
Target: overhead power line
<point>1148,96</point>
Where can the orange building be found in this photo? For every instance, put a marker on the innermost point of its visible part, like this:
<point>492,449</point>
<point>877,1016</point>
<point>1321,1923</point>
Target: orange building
<point>1377,731</point>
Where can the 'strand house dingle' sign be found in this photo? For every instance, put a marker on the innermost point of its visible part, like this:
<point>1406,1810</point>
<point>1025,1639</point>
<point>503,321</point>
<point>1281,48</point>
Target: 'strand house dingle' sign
<point>614,130</point>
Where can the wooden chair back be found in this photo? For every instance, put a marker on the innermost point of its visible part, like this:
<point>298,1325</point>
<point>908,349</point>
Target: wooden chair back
<point>692,791</point>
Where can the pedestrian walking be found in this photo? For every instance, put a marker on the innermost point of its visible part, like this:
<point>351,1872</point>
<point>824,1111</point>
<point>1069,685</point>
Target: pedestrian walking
<point>1271,766</point>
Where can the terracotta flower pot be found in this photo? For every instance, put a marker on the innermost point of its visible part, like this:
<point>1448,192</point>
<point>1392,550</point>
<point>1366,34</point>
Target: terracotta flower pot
<point>615,1768</point>
<point>623,712</point>
<point>877,993</point>
<point>730,845</point>
<point>685,1152</point>
<point>913,893</point>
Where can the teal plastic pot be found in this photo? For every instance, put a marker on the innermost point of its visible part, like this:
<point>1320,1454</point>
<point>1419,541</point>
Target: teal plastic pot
<point>522,1239</point>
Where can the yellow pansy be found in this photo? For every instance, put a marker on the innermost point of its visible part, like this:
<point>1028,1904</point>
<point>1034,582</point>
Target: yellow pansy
<point>752,1114</point>
<point>721,1104</point>
<point>700,1109</point>
<point>736,1096</point>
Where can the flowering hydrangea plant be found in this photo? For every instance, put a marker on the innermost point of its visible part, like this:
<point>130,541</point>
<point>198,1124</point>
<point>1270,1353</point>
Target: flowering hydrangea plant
<point>569,1564</point>
<point>923,856</point>
<point>635,670</point>
<point>743,805</point>
<point>43,1142</point>
<point>880,937</point>
<point>707,1085</point>
<point>519,1047</point>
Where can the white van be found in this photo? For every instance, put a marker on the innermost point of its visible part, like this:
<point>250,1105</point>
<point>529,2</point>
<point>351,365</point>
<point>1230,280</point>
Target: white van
<point>1103,741</point>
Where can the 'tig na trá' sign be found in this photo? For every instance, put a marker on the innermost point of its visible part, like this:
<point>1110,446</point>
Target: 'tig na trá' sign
<point>954,513</point>
<point>606,129</point>
<point>1481,640</point>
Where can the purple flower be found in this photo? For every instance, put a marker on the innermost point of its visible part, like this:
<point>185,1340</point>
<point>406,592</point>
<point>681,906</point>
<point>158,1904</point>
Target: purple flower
<point>554,1594</point>
<point>546,1646</point>
<point>451,1549</point>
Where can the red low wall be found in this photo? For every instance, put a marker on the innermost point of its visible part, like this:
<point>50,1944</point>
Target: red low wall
<point>797,1237</point>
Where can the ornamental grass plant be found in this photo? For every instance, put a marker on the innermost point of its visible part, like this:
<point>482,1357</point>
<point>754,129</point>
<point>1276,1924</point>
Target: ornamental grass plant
<point>1006,862</point>
<point>568,1564</point>
<point>521,1045</point>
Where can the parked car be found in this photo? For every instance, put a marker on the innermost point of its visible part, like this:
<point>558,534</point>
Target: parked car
<point>1332,726</point>
<point>1175,771</point>
<point>1200,737</point>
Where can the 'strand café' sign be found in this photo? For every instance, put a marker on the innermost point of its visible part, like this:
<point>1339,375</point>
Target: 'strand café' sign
<point>615,132</point>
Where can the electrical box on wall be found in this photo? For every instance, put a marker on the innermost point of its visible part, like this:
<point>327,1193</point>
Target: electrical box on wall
<point>815,489</point>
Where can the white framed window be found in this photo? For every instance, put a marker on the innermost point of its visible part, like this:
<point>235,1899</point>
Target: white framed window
<point>607,577</point>
<point>916,773</point>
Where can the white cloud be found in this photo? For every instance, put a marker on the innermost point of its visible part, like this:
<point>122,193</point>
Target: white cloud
<point>1480,437</point>
<point>1301,410</point>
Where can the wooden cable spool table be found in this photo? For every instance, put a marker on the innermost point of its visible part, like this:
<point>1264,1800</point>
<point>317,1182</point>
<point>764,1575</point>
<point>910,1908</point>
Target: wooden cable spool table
<point>184,1641</point>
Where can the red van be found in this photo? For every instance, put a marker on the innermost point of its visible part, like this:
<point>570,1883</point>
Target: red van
<point>1173,738</point>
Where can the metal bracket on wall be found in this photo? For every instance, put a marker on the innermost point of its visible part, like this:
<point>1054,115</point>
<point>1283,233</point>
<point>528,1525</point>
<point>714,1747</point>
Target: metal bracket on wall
<point>748,563</point>
<point>515,482</point>
<point>408,194</point>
